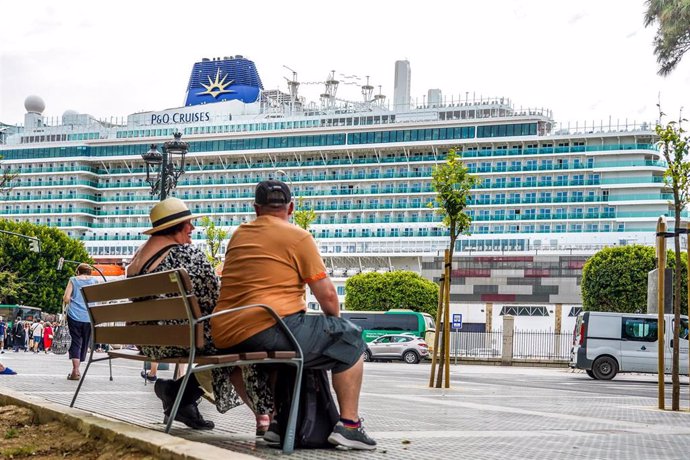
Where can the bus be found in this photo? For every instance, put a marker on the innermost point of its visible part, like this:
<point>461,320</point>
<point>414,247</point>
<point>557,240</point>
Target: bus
<point>377,323</point>
<point>10,312</point>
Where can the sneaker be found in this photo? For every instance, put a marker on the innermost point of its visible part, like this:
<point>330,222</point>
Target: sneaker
<point>352,438</point>
<point>272,435</point>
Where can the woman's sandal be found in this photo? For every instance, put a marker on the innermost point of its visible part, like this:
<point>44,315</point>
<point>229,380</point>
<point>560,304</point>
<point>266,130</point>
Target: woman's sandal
<point>71,377</point>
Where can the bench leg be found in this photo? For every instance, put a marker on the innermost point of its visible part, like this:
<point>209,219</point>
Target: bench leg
<point>110,365</point>
<point>290,431</point>
<point>178,399</point>
<point>81,380</point>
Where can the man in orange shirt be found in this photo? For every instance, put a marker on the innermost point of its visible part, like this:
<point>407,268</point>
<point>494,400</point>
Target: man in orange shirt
<point>270,261</point>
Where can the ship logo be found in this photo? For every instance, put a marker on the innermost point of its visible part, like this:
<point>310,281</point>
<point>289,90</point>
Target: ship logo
<point>217,87</point>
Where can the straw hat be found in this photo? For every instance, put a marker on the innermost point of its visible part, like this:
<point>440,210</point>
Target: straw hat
<point>168,213</point>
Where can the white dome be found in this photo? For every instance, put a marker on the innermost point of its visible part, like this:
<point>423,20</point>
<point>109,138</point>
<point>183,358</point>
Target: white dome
<point>70,113</point>
<point>34,104</point>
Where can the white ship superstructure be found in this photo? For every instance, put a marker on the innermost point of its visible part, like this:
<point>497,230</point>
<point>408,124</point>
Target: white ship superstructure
<point>366,170</point>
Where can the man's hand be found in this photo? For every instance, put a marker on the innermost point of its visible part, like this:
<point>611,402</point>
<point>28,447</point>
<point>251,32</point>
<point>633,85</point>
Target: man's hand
<point>325,293</point>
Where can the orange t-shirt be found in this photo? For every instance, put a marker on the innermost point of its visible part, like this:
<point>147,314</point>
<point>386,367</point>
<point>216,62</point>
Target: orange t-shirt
<point>268,261</point>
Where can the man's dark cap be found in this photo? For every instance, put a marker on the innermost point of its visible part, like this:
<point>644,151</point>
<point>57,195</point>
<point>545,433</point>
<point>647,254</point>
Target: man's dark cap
<point>272,193</point>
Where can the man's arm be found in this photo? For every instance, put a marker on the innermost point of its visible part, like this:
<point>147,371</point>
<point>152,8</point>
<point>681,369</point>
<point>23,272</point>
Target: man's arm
<point>325,293</point>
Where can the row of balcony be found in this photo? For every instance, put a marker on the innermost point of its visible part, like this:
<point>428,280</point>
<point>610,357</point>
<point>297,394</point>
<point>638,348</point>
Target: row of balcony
<point>553,150</point>
<point>358,161</point>
<point>495,168</point>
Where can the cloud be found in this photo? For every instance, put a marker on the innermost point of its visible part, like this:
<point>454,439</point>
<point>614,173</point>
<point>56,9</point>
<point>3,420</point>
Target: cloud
<point>576,18</point>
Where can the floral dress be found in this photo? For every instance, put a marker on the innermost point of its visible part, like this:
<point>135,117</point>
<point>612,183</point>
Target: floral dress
<point>206,287</point>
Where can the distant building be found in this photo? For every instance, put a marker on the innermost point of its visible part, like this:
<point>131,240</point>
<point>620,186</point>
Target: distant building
<point>434,98</point>
<point>401,91</point>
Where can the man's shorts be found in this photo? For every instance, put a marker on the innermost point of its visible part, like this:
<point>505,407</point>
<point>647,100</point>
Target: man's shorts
<point>327,342</point>
<point>38,339</point>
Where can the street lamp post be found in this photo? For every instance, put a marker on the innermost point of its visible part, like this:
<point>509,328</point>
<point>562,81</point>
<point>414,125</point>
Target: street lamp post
<point>161,172</point>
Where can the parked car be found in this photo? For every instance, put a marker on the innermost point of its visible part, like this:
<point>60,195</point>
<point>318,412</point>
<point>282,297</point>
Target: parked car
<point>405,347</point>
<point>605,344</point>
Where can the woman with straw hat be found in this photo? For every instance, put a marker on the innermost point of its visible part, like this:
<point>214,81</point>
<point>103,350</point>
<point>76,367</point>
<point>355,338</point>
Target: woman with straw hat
<point>169,247</point>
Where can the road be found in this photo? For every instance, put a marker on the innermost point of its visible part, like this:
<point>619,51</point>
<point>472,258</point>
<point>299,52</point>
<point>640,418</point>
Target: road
<point>491,412</point>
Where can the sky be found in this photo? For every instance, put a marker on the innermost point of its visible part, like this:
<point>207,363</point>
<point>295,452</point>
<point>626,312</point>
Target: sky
<point>586,60</point>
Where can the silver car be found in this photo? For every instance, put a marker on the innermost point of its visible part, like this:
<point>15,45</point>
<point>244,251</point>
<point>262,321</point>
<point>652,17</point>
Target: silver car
<point>406,347</point>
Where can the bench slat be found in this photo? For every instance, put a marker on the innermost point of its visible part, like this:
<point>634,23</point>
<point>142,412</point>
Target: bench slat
<point>167,335</point>
<point>199,359</point>
<point>153,284</point>
<point>165,308</point>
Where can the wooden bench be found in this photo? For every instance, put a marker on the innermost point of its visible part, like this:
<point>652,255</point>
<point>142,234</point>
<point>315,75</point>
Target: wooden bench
<point>117,309</point>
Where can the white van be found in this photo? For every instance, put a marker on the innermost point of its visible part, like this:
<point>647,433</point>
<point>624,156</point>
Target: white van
<point>605,344</point>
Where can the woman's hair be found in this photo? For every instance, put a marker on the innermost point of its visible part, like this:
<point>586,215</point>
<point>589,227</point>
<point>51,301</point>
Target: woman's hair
<point>83,269</point>
<point>170,230</point>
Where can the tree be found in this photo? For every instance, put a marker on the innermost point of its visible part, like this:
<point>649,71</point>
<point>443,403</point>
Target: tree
<point>303,217</point>
<point>673,145</point>
<point>452,183</point>
<point>672,37</point>
<point>214,239</point>
<point>38,283</point>
<point>615,279</point>
<point>383,291</point>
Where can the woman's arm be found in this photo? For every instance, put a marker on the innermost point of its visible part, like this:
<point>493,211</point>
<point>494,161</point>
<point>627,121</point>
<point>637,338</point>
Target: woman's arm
<point>68,294</point>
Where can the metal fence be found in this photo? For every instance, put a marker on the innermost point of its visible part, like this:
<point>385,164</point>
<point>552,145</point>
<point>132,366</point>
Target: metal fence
<point>527,345</point>
<point>541,345</point>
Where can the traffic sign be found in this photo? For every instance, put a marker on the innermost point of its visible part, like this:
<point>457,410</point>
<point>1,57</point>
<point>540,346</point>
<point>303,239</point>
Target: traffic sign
<point>457,320</point>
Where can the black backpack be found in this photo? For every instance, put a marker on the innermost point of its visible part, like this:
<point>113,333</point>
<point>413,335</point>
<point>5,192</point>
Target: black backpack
<point>317,414</point>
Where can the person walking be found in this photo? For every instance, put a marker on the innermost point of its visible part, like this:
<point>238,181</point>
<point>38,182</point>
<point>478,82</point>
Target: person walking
<point>47,337</point>
<point>18,333</point>
<point>78,320</point>
<point>3,329</point>
<point>37,334</point>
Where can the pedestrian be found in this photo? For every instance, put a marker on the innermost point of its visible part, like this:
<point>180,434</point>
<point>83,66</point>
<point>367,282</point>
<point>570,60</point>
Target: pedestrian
<point>271,261</point>
<point>28,339</point>
<point>47,336</point>
<point>37,334</point>
<point>3,329</point>
<point>78,320</point>
<point>18,332</point>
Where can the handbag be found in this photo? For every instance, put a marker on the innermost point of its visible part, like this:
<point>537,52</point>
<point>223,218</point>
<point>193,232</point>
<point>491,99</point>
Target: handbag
<point>317,413</point>
<point>61,340</point>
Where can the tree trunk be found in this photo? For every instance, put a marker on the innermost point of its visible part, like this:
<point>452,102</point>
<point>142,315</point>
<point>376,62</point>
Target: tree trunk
<point>675,396</point>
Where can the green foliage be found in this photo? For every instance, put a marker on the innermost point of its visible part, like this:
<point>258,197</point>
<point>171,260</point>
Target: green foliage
<point>36,280</point>
<point>452,183</point>
<point>214,239</point>
<point>672,39</point>
<point>615,279</point>
<point>397,289</point>
<point>303,217</point>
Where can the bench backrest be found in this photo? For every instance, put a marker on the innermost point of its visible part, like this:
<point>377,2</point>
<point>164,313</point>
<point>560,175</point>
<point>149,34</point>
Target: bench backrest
<point>117,307</point>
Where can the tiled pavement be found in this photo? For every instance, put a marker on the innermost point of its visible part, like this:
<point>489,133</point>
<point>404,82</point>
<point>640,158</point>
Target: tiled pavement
<point>490,413</point>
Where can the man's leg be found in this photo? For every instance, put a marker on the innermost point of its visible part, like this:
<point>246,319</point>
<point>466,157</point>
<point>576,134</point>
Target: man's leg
<point>347,386</point>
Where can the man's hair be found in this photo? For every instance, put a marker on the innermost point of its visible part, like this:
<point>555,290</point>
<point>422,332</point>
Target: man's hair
<point>83,269</point>
<point>171,230</point>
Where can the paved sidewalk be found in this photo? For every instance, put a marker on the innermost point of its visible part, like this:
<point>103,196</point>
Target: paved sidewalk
<point>490,413</point>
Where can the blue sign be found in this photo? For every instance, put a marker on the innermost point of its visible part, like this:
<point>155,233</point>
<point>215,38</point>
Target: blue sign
<point>457,320</point>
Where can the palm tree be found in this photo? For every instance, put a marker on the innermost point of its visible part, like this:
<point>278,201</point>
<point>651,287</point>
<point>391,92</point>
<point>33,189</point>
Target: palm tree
<point>672,38</point>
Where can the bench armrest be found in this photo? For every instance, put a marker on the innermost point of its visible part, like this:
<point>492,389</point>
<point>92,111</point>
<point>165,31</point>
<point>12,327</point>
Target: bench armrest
<point>270,311</point>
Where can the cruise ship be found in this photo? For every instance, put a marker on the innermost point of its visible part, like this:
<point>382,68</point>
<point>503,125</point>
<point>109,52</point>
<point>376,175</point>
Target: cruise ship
<point>549,194</point>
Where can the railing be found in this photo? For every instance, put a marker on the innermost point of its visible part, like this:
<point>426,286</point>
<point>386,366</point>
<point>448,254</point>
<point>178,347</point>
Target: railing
<point>545,346</point>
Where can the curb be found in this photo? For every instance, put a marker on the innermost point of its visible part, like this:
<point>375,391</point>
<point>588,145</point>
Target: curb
<point>160,445</point>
